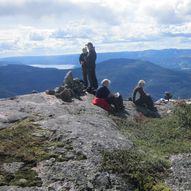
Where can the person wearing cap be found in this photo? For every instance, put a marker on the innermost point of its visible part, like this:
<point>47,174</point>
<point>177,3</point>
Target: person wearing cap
<point>140,98</point>
<point>82,60</point>
<point>91,66</point>
<point>113,99</point>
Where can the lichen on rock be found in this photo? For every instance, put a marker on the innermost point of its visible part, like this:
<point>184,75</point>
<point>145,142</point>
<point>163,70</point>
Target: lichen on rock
<point>56,145</point>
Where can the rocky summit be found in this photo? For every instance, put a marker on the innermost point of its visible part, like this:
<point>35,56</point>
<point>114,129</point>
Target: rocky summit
<point>51,145</point>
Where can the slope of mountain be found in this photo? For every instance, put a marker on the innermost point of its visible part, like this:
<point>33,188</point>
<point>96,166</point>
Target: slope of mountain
<point>22,79</point>
<point>124,74</point>
<point>169,58</point>
<point>47,144</point>
<point>30,60</point>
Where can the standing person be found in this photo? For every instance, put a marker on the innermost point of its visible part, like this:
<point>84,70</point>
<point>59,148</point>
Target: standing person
<point>82,60</point>
<point>91,65</point>
<point>140,98</point>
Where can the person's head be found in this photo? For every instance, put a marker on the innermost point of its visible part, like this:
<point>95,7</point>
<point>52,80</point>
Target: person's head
<point>105,82</point>
<point>84,50</point>
<point>89,45</point>
<point>141,83</point>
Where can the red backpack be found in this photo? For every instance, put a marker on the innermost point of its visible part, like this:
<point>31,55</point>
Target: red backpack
<point>101,103</point>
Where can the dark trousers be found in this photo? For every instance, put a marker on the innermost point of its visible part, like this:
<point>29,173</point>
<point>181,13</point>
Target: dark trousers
<point>85,75</point>
<point>117,102</point>
<point>145,101</point>
<point>92,78</point>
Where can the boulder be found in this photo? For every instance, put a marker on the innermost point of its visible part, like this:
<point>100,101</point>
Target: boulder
<point>65,95</point>
<point>68,79</point>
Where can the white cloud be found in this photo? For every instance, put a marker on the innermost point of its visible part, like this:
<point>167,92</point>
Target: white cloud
<point>7,46</point>
<point>36,37</point>
<point>46,26</point>
<point>73,32</point>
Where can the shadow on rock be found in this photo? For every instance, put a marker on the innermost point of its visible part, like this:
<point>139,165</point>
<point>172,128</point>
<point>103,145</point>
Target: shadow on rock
<point>147,112</point>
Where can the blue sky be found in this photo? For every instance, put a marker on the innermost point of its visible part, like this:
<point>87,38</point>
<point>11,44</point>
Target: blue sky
<point>54,27</point>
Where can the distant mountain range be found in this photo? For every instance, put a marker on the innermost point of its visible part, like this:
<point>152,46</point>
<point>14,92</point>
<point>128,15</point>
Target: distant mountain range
<point>23,79</point>
<point>124,74</point>
<point>179,59</point>
<point>31,60</point>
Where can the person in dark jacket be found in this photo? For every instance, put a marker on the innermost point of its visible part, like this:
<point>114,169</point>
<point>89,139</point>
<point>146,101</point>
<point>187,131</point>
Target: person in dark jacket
<point>140,98</point>
<point>113,99</point>
<point>82,60</point>
<point>91,66</point>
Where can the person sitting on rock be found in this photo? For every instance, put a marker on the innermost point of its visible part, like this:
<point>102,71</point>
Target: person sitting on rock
<point>140,98</point>
<point>113,99</point>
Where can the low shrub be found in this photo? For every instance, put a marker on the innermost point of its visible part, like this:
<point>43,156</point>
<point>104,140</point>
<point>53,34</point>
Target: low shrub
<point>183,114</point>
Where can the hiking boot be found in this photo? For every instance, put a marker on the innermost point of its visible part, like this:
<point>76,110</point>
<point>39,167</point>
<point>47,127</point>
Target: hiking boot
<point>88,89</point>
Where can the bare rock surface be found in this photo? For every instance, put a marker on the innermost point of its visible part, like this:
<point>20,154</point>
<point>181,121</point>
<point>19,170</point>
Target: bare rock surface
<point>89,129</point>
<point>11,167</point>
<point>180,180</point>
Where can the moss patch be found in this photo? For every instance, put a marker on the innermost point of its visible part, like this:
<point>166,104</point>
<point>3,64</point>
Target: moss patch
<point>141,170</point>
<point>25,142</point>
<point>24,177</point>
<point>19,144</point>
<point>147,164</point>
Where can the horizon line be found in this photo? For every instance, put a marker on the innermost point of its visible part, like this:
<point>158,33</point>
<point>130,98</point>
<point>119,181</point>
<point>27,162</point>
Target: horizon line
<point>70,54</point>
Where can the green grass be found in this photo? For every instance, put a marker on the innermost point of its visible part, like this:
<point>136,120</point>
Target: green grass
<point>147,164</point>
<point>136,167</point>
<point>18,143</point>
<point>183,114</point>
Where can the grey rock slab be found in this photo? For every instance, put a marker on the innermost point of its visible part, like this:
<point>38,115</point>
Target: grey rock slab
<point>88,129</point>
<point>180,178</point>
<point>11,167</point>
<point>14,188</point>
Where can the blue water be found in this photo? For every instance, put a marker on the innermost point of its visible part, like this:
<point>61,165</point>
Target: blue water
<point>61,67</point>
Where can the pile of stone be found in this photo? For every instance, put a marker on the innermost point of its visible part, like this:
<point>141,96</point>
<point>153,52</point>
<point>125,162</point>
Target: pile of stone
<point>71,88</point>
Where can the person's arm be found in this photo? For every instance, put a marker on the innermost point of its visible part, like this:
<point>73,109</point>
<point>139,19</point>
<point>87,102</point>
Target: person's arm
<point>91,57</point>
<point>107,93</point>
<point>110,95</point>
<point>142,92</point>
<point>134,94</point>
<point>80,58</point>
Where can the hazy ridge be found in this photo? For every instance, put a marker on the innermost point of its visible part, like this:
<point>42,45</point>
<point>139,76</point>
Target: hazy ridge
<point>124,74</point>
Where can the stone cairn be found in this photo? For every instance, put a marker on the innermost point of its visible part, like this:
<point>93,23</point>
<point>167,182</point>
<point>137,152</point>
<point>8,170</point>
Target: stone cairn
<point>71,88</point>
